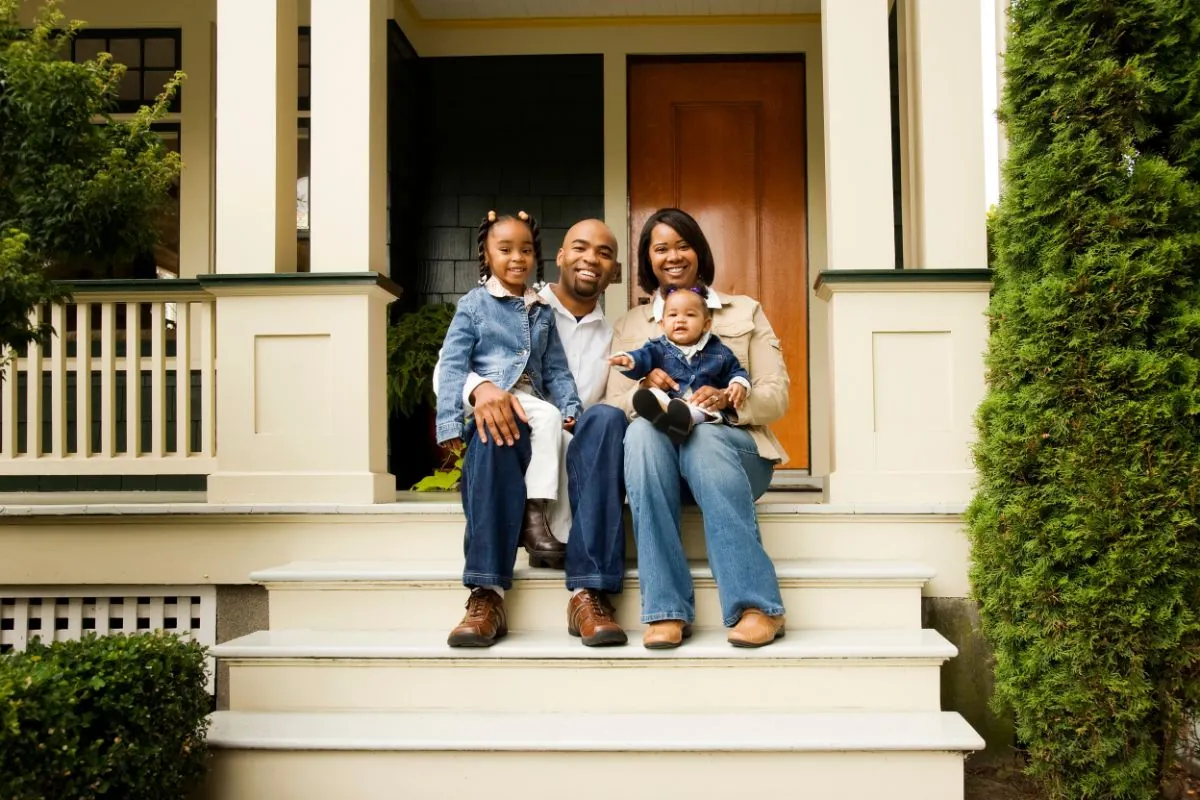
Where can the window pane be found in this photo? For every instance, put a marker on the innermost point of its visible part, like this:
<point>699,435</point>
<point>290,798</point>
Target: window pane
<point>303,50</point>
<point>302,85</point>
<point>155,81</point>
<point>160,53</point>
<point>126,51</point>
<point>131,85</point>
<point>303,168</point>
<point>87,49</point>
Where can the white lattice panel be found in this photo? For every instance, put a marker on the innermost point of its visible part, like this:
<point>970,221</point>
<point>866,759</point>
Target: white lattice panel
<point>62,613</point>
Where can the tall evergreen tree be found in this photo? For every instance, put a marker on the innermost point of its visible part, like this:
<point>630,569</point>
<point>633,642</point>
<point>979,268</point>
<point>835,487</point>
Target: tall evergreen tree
<point>1086,544</point>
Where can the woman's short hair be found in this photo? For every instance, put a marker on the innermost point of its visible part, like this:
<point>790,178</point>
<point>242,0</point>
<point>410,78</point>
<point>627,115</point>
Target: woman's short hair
<point>689,230</point>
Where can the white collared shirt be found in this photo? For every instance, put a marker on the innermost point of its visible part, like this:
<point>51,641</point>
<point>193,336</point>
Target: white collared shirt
<point>586,342</point>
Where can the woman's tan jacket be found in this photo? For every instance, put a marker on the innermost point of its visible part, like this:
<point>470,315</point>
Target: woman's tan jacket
<point>742,325</point>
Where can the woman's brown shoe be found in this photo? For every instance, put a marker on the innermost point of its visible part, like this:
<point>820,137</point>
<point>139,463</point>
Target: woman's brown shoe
<point>666,634</point>
<point>756,629</point>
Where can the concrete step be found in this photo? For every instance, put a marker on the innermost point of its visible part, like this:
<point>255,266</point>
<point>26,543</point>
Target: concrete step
<point>301,670</point>
<point>402,595</point>
<point>378,755</point>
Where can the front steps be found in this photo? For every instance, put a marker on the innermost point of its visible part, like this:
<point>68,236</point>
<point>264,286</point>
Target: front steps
<point>295,670</point>
<point>353,692</point>
<point>818,593</point>
<point>512,756</point>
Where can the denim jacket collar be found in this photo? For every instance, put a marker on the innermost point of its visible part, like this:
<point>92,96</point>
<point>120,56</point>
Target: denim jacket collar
<point>687,351</point>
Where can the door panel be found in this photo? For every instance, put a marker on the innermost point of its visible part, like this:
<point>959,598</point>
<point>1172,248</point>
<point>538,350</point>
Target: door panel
<point>724,141</point>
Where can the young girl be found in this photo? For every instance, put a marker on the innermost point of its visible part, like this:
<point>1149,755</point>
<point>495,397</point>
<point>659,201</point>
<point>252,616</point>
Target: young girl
<point>693,356</point>
<point>503,332</point>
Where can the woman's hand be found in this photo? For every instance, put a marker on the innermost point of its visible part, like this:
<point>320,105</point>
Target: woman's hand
<point>709,399</point>
<point>659,379</point>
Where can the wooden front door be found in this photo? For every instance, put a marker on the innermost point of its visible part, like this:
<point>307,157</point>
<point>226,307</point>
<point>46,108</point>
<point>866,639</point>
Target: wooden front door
<point>724,141</point>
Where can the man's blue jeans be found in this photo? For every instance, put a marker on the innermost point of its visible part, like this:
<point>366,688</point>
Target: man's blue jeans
<point>595,468</point>
<point>721,467</point>
<point>493,497</point>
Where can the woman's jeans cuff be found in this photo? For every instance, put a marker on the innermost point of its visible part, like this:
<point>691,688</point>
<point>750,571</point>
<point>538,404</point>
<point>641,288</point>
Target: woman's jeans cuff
<point>662,616</point>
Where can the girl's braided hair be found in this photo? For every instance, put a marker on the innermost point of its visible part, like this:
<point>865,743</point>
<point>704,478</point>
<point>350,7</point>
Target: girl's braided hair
<point>485,227</point>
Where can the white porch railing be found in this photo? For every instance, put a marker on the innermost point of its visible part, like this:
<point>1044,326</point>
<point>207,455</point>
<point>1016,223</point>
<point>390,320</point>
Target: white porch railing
<point>125,387</point>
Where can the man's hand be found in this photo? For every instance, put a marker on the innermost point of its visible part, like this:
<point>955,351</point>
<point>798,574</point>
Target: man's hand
<point>659,379</point>
<point>736,394</point>
<point>497,412</point>
<point>622,360</point>
<point>710,399</point>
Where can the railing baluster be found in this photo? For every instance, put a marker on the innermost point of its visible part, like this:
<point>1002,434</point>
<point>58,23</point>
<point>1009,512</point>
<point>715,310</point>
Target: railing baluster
<point>83,380</point>
<point>58,382</point>
<point>33,395</point>
<point>8,416</point>
<point>133,379</point>
<point>208,405</point>
<point>158,381</point>
<point>183,380</point>
<point>108,380</point>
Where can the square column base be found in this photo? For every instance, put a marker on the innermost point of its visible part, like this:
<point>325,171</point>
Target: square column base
<point>301,389</point>
<point>255,488</point>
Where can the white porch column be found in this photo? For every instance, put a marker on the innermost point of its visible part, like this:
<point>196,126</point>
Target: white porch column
<point>858,134</point>
<point>256,136</point>
<point>348,195</point>
<point>946,121</point>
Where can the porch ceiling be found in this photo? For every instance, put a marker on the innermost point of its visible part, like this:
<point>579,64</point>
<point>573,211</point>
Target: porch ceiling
<point>529,9</point>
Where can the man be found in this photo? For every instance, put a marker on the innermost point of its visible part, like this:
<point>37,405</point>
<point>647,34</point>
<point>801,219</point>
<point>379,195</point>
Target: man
<point>499,450</point>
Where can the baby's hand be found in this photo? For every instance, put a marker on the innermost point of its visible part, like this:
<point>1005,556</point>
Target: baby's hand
<point>736,394</point>
<point>621,360</point>
<point>569,424</point>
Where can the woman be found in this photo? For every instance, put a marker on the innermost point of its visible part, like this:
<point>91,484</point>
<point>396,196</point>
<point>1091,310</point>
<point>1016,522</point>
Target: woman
<point>724,467</point>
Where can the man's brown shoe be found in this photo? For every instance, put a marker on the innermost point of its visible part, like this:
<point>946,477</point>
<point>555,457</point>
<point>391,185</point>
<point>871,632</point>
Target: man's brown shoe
<point>484,622</point>
<point>666,634</point>
<point>544,550</point>
<point>590,617</point>
<point>756,629</point>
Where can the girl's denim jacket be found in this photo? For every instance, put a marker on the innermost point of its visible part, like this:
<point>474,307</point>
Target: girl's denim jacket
<point>496,338</point>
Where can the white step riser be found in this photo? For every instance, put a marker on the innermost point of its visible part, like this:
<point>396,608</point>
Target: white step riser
<point>307,775</point>
<point>584,687</point>
<point>542,606</point>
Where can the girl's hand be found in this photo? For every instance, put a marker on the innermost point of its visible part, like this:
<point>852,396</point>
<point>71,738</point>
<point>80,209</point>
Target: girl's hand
<point>569,424</point>
<point>621,360</point>
<point>454,445</point>
<point>736,394</point>
<point>710,399</point>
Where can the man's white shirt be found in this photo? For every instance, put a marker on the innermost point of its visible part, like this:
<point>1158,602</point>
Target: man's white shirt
<point>587,342</point>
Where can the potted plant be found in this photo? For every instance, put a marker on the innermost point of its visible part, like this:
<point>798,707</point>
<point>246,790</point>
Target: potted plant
<point>413,343</point>
<point>412,350</point>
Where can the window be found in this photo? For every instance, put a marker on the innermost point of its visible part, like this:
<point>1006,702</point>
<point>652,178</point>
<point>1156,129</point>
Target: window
<point>303,83</point>
<point>150,55</point>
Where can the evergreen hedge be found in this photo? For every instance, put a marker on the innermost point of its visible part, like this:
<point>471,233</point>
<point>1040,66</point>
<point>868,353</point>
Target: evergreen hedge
<point>106,717</point>
<point>1086,546</point>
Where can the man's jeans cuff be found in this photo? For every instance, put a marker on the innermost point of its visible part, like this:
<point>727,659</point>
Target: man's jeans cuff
<point>597,582</point>
<point>486,579</point>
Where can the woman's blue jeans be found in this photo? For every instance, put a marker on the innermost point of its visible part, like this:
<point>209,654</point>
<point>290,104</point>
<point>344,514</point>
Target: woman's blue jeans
<point>718,466</point>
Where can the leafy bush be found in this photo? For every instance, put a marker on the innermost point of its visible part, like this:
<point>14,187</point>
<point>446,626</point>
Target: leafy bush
<point>413,345</point>
<point>1086,547</point>
<point>113,716</point>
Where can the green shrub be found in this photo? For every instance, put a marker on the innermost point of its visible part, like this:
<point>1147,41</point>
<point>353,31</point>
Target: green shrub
<point>413,344</point>
<point>1086,547</point>
<point>113,717</point>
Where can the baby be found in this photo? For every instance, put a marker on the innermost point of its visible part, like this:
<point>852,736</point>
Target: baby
<point>693,356</point>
